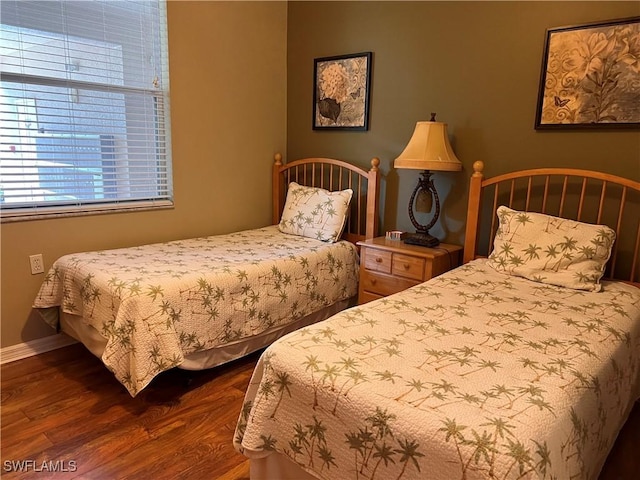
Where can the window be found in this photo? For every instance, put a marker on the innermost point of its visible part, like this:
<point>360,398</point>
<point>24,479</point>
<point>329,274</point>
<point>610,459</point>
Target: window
<point>84,112</point>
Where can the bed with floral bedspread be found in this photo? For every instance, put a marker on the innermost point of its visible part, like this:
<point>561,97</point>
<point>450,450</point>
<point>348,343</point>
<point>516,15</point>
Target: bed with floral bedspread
<point>157,303</point>
<point>474,374</point>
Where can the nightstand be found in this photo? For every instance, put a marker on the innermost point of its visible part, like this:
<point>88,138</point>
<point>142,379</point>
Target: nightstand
<point>389,266</point>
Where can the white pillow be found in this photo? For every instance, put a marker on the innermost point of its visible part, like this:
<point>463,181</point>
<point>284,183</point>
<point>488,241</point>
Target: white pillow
<point>551,250</point>
<point>315,212</point>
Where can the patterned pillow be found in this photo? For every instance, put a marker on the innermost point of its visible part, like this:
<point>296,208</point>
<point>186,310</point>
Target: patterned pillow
<point>315,213</point>
<point>551,250</point>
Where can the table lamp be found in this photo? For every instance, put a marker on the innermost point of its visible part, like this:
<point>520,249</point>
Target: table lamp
<point>428,150</point>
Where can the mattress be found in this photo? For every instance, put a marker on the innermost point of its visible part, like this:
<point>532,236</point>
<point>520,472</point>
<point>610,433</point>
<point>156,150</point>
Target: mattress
<point>157,304</point>
<point>473,374</point>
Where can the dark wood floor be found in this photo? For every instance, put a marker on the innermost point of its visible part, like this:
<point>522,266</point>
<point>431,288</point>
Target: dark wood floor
<point>65,406</point>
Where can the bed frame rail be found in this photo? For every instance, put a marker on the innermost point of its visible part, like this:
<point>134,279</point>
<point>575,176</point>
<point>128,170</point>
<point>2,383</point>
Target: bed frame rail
<point>332,174</point>
<point>582,195</point>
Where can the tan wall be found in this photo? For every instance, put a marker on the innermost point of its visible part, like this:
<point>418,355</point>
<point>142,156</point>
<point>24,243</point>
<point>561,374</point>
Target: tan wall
<point>477,64</point>
<point>228,111</point>
<point>240,71</point>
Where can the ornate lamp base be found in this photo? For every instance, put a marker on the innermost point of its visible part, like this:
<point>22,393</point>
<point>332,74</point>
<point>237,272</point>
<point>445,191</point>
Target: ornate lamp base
<point>422,239</point>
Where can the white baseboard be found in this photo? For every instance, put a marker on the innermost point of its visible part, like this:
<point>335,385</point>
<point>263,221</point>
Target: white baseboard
<point>34,347</point>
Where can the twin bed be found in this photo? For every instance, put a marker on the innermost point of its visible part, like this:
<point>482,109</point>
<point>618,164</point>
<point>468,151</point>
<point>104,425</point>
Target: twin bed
<point>522,363</point>
<point>198,303</point>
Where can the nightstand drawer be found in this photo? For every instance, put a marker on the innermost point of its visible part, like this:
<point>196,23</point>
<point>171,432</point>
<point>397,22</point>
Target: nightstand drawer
<point>377,260</point>
<point>381,284</point>
<point>407,266</point>
<point>390,266</point>
<point>368,297</point>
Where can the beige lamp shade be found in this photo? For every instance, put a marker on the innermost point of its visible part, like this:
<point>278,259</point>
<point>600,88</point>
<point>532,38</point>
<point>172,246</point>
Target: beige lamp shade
<point>429,149</point>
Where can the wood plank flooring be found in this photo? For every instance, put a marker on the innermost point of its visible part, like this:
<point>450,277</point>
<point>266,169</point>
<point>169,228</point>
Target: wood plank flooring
<point>65,406</point>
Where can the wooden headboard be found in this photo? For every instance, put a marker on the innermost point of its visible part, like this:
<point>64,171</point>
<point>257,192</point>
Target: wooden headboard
<point>582,195</point>
<point>332,174</point>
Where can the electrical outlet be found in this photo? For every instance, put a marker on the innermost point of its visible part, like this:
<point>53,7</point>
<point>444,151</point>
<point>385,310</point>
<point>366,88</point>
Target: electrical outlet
<point>37,264</point>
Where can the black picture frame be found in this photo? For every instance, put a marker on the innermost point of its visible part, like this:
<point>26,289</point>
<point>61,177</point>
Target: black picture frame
<point>589,77</point>
<point>342,91</point>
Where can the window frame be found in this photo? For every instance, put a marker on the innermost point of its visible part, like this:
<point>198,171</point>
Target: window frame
<point>159,94</point>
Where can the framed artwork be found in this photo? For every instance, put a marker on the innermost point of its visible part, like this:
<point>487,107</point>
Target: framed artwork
<point>341,91</point>
<point>591,76</point>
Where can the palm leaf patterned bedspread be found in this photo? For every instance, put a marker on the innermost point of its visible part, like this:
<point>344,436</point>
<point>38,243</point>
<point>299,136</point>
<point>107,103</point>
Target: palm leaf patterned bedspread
<point>157,303</point>
<point>474,374</point>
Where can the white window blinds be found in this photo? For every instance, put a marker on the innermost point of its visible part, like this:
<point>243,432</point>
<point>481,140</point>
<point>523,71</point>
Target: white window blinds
<point>84,112</point>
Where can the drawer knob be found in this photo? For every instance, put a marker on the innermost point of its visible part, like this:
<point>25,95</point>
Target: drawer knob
<point>378,260</point>
<point>406,266</point>
<point>373,281</point>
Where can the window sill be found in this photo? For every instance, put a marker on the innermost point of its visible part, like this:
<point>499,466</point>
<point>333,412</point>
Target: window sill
<point>43,213</point>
